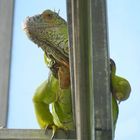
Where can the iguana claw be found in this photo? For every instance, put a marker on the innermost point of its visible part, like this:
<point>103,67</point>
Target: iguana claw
<point>53,127</point>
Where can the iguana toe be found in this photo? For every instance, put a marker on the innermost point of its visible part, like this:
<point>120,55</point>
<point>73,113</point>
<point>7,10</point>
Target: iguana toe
<point>53,127</point>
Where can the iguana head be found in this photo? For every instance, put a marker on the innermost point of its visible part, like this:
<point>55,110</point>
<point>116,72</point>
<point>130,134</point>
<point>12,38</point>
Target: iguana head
<point>49,31</point>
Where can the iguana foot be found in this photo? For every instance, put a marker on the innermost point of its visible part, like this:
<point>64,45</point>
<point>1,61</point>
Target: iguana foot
<point>67,134</point>
<point>53,127</point>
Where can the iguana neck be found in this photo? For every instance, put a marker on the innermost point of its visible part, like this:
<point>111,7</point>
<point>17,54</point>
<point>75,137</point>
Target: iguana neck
<point>58,56</point>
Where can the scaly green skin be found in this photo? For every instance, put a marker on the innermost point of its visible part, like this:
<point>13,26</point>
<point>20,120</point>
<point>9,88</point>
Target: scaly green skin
<point>47,93</point>
<point>49,31</point>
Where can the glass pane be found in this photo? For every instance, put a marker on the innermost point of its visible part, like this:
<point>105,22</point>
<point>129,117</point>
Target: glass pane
<point>28,69</point>
<point>124,33</point>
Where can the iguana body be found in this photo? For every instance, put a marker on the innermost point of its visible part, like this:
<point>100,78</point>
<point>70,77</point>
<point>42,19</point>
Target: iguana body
<point>49,31</point>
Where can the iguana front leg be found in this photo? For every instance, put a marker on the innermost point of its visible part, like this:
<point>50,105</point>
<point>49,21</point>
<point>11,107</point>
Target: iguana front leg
<point>121,88</point>
<point>44,96</point>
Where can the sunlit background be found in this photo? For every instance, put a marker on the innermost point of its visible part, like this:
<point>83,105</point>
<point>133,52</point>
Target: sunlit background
<point>28,69</point>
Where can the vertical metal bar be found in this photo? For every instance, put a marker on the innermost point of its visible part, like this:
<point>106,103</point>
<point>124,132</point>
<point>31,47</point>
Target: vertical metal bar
<point>101,72</point>
<point>82,60</point>
<point>6,18</point>
<point>91,70</point>
<point>69,18</point>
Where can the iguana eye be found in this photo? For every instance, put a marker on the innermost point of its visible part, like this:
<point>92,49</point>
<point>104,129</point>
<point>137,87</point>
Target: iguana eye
<point>53,62</point>
<point>47,15</point>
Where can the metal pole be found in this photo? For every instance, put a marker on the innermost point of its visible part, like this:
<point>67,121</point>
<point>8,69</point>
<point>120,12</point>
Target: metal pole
<point>6,22</point>
<point>91,70</point>
<point>101,72</point>
<point>69,18</point>
<point>82,63</point>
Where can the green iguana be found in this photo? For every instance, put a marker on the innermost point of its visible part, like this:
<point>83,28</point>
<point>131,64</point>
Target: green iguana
<point>49,31</point>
